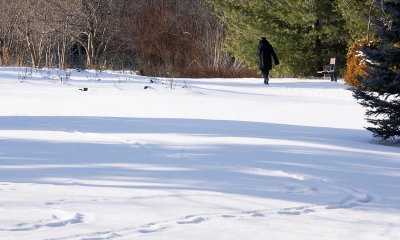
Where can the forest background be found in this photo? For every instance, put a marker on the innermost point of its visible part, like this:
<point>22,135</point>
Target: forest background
<point>181,38</point>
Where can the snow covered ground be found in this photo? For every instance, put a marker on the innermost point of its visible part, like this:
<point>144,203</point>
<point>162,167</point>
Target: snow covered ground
<point>195,159</point>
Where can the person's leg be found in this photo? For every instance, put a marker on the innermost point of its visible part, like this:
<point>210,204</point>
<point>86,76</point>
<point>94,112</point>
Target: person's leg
<point>266,76</point>
<point>333,77</point>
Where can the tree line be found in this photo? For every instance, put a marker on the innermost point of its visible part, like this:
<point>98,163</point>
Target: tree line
<point>305,33</point>
<point>156,37</point>
<point>180,37</point>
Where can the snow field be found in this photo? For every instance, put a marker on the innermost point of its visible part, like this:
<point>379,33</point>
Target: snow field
<point>209,158</point>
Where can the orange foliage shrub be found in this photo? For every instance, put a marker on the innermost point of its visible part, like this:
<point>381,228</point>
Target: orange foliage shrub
<point>356,63</point>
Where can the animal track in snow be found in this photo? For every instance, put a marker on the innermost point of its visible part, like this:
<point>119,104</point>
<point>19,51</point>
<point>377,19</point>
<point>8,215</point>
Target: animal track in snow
<point>253,214</point>
<point>228,216</point>
<point>151,229</point>
<point>354,197</point>
<point>55,221</point>
<point>296,210</point>
<point>351,198</point>
<point>55,202</point>
<point>191,220</point>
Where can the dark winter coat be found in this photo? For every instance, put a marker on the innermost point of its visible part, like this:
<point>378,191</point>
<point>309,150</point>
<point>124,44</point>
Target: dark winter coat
<point>266,53</point>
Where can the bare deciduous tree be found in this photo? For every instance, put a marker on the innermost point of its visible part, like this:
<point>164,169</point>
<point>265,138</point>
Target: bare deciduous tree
<point>97,24</point>
<point>160,37</point>
<point>173,37</point>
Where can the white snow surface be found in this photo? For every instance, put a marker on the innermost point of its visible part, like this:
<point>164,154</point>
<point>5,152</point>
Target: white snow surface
<point>189,159</point>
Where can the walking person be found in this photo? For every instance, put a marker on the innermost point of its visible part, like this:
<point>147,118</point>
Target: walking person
<point>266,53</point>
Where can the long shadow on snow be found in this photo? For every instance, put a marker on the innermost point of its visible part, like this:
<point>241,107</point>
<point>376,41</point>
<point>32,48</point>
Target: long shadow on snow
<point>274,169</point>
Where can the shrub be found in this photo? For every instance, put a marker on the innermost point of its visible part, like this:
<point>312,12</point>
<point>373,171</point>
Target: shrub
<point>220,73</point>
<point>356,64</point>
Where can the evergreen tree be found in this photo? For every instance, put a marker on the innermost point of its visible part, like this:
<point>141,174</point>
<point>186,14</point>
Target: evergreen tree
<point>380,92</point>
<point>357,14</point>
<point>305,34</point>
